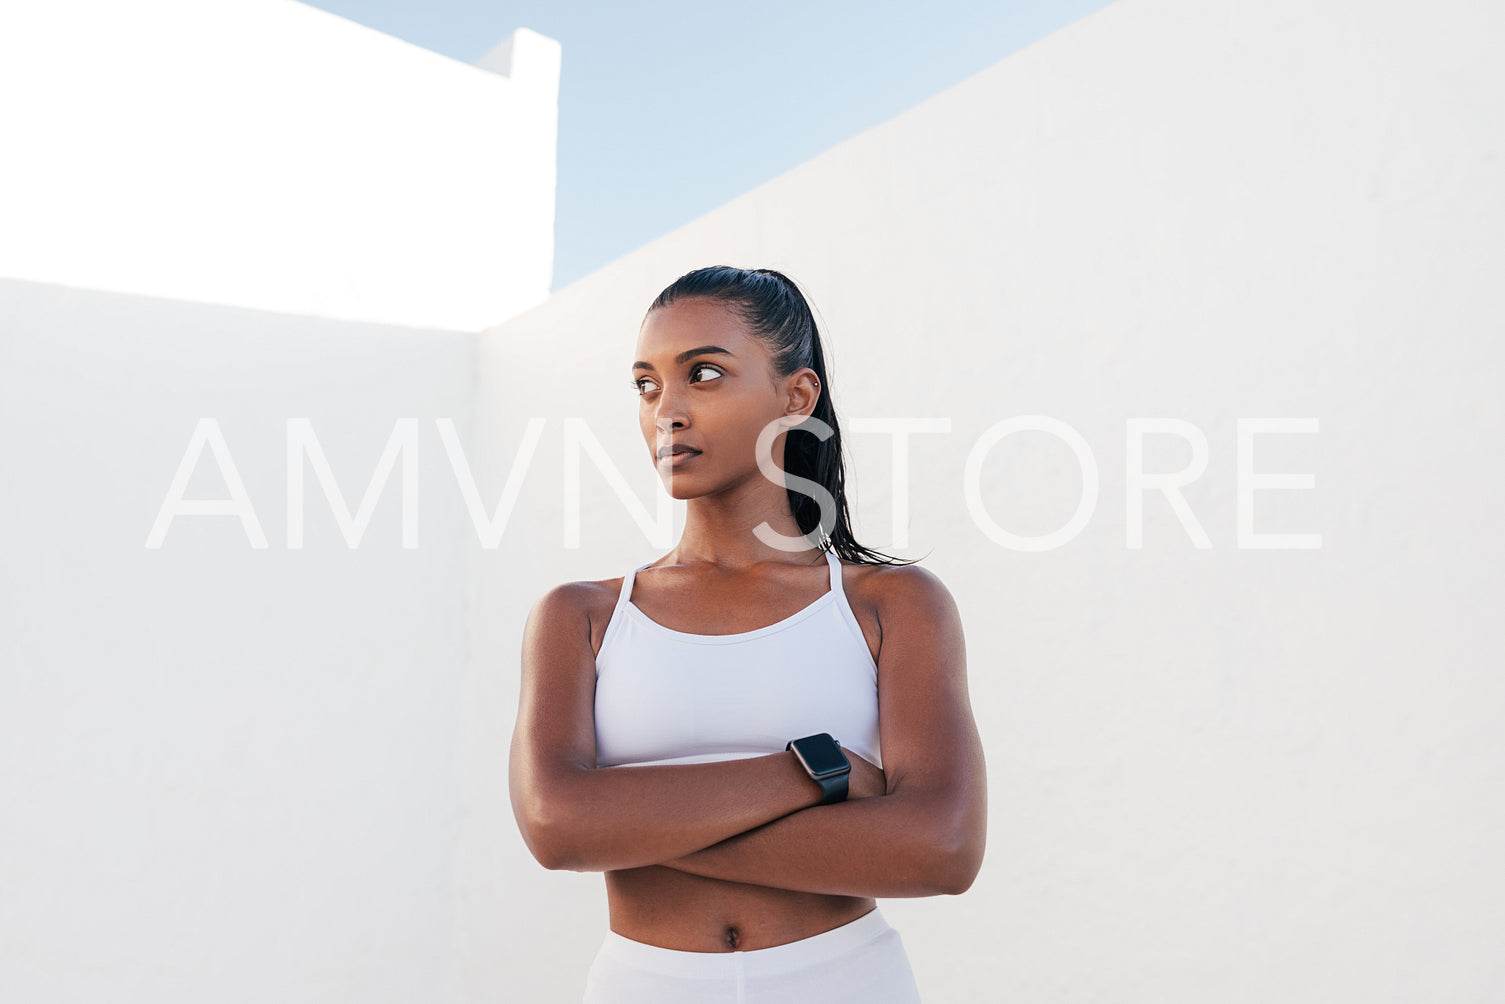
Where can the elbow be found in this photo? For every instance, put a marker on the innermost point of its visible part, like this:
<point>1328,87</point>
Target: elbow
<point>959,861</point>
<point>566,838</point>
<point>546,831</point>
<point>542,841</point>
<point>551,845</point>
<point>945,854</point>
<point>546,847</point>
<point>937,866</point>
<point>558,816</point>
<point>958,876</point>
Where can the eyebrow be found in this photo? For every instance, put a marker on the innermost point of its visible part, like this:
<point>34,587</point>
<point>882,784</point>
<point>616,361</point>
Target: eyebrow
<point>683,357</point>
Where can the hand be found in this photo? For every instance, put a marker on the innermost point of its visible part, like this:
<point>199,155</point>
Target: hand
<point>866,779</point>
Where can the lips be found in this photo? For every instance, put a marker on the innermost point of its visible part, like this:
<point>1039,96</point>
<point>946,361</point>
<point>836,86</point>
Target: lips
<point>674,450</point>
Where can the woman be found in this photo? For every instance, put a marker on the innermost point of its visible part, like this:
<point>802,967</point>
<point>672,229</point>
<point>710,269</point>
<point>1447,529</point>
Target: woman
<point>675,728</point>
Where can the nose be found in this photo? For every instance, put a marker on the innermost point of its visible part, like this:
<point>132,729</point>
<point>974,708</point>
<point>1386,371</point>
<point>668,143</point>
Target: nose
<point>670,413</point>
<point>666,424</point>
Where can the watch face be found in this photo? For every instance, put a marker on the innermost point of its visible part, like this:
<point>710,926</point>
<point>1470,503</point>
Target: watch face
<point>821,754</point>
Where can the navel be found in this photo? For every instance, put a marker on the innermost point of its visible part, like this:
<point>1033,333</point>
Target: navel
<point>733,937</point>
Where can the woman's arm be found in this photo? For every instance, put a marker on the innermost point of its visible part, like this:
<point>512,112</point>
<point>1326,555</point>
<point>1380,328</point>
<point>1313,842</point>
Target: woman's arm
<point>577,816</point>
<point>926,835</point>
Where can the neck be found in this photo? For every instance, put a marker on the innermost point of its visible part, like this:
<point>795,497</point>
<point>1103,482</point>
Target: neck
<point>721,530</point>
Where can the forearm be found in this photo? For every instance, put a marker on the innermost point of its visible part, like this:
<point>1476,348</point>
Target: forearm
<point>894,845</point>
<point>606,818</point>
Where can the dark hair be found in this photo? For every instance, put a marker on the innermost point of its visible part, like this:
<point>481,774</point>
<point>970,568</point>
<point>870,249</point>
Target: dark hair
<point>775,311</point>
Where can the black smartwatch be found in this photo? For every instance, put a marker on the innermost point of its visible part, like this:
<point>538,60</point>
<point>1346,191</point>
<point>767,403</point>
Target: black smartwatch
<point>827,765</point>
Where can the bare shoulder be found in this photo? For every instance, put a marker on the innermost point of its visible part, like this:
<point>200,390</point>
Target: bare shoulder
<point>569,598</point>
<point>579,608</point>
<point>895,586</point>
<point>895,596</point>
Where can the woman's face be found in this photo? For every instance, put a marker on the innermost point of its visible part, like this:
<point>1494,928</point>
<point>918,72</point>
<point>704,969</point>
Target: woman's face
<point>706,383</point>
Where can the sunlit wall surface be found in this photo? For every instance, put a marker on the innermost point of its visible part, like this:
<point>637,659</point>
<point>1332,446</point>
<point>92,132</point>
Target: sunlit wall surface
<point>266,154</point>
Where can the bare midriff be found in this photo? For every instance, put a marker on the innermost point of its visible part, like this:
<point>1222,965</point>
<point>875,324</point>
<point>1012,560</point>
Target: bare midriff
<point>669,908</point>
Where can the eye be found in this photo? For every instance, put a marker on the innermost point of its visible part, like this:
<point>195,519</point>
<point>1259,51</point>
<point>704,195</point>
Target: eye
<point>638,382</point>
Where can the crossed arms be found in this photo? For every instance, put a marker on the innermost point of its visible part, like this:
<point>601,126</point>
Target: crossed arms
<point>757,819</point>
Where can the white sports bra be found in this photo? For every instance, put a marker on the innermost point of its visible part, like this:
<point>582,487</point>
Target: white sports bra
<point>666,696</point>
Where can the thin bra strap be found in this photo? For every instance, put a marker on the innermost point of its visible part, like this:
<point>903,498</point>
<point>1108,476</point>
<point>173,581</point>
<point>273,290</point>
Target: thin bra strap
<point>835,563</point>
<point>626,592</point>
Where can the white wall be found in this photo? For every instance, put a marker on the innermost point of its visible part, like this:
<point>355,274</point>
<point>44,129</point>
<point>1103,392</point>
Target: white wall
<point>227,773</point>
<point>267,154</point>
<point>1230,774</point>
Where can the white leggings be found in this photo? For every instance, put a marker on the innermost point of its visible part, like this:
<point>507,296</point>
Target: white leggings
<point>861,962</point>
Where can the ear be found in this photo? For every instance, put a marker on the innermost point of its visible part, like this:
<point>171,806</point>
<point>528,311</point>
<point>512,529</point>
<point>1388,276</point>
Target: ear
<point>802,392</point>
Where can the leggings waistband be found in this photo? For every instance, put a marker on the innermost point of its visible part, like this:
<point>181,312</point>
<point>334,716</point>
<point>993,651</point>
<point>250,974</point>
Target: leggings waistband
<point>771,961</point>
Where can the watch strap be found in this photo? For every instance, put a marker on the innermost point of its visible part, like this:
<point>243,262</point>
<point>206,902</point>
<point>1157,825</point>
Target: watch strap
<point>834,788</point>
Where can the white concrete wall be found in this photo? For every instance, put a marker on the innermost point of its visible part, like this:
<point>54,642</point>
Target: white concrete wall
<point>1220,773</point>
<point>267,154</point>
<point>227,773</point>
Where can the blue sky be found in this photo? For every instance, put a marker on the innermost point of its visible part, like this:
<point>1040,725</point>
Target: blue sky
<point>669,109</point>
